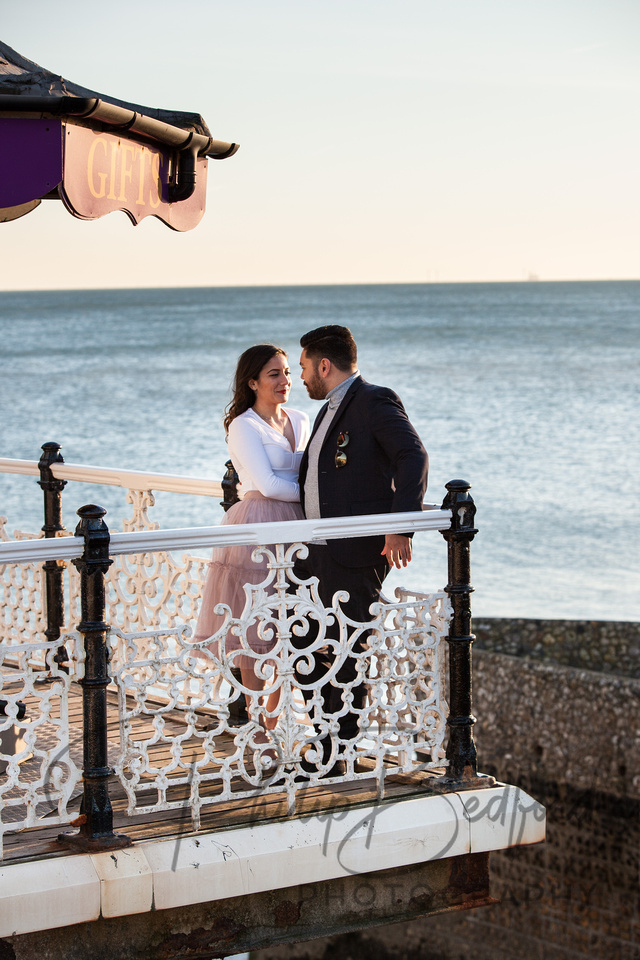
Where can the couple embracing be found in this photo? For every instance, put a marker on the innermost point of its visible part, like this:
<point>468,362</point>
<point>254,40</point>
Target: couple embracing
<point>363,457</point>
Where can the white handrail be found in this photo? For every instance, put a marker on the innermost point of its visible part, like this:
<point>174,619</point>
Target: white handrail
<point>27,468</point>
<point>129,479</point>
<point>189,538</point>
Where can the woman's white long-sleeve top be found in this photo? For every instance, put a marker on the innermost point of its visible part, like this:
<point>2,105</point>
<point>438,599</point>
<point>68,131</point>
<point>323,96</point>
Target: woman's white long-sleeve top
<point>263,457</point>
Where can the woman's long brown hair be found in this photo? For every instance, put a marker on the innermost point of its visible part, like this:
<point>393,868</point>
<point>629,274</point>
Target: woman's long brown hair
<point>250,363</point>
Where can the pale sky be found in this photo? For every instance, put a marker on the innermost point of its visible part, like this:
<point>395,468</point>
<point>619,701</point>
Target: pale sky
<point>381,141</point>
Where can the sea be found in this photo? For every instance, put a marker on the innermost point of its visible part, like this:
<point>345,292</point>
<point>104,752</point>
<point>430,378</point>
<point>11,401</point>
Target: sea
<point>529,391</point>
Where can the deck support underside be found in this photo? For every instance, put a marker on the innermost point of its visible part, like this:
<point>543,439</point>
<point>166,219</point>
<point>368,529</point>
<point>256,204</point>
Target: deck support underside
<point>303,912</point>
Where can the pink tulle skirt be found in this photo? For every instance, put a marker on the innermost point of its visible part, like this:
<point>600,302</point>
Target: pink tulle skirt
<point>231,567</point>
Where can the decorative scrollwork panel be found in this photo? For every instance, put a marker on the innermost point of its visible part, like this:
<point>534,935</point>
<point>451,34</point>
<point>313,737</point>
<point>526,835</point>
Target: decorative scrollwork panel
<point>38,748</point>
<point>149,590</point>
<point>186,743</point>
<point>152,590</point>
<point>22,613</point>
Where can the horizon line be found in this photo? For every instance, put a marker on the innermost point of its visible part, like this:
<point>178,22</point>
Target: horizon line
<point>349,283</point>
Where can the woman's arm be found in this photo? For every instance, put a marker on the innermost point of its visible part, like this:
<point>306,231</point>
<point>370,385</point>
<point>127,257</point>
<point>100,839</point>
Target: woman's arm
<point>246,448</point>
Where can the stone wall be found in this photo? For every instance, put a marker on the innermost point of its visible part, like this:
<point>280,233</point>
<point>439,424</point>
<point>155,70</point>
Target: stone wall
<point>558,707</point>
<point>601,646</point>
<point>557,724</point>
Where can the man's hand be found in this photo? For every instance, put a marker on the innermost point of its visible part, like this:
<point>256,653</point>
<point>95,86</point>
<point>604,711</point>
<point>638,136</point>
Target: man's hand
<point>397,550</point>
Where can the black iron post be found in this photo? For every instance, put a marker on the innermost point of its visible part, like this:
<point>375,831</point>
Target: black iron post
<point>53,571</point>
<point>230,483</point>
<point>96,815</point>
<point>461,748</point>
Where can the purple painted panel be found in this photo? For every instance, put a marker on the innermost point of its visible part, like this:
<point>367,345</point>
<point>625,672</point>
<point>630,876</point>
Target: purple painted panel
<point>30,159</point>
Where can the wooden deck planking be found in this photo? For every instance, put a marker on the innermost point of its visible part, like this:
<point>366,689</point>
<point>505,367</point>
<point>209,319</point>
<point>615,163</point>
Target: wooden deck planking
<point>41,841</point>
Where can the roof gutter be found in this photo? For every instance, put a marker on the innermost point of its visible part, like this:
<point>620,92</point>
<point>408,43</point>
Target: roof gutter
<point>93,111</point>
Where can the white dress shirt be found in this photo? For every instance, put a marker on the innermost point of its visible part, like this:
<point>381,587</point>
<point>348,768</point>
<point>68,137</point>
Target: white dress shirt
<point>263,457</point>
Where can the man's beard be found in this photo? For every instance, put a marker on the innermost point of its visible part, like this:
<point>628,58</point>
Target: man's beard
<point>316,387</point>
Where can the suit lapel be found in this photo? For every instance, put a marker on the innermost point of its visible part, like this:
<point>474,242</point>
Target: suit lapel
<point>304,463</point>
<point>318,420</point>
<point>350,394</point>
<point>346,400</point>
<point>348,397</point>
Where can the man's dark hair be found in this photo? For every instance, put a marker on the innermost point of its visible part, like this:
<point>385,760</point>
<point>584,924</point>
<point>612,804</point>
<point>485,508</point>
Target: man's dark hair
<point>334,342</point>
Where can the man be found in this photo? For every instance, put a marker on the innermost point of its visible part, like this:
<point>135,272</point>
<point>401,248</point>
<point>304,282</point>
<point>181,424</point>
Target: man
<point>364,457</point>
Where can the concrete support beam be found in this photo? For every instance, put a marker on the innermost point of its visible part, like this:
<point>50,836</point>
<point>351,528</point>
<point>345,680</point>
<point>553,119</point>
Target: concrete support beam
<point>221,928</point>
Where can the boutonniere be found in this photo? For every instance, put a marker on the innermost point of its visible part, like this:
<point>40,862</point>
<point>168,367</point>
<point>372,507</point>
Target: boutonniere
<point>342,442</point>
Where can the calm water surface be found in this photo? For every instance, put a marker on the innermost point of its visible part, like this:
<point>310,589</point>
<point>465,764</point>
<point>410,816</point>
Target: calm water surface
<point>529,391</point>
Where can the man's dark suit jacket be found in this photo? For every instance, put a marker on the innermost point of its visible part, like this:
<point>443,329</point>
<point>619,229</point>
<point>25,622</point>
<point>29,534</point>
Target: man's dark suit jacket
<point>386,469</point>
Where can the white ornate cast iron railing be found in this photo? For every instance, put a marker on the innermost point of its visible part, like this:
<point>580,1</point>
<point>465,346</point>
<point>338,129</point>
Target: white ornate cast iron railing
<point>134,598</point>
<point>182,698</point>
<point>182,744</point>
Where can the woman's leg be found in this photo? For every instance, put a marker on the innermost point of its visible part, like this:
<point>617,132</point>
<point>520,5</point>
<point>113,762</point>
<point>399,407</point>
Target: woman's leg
<point>253,682</point>
<point>273,702</point>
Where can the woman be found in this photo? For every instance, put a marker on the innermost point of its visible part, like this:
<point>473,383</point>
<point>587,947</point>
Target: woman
<point>266,446</point>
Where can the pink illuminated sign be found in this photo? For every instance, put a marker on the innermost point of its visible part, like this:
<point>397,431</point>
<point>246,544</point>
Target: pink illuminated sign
<point>104,172</point>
